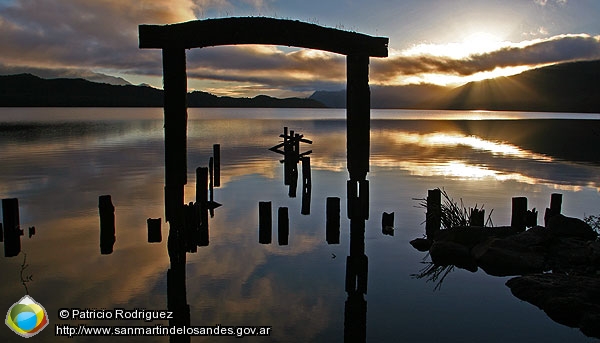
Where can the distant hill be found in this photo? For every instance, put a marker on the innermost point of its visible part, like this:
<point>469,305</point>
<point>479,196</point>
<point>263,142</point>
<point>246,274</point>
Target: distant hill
<point>567,87</point>
<point>26,90</point>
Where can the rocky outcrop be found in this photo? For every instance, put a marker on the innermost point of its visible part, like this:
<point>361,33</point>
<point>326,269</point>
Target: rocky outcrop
<point>568,247</point>
<point>571,300</point>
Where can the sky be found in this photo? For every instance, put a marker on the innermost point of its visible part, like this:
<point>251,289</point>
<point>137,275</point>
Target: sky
<point>431,41</point>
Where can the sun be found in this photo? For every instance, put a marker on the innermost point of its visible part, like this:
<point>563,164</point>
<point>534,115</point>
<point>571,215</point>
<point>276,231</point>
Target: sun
<point>478,42</point>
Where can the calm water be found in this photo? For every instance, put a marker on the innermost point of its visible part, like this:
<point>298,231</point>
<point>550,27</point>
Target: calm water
<point>58,161</point>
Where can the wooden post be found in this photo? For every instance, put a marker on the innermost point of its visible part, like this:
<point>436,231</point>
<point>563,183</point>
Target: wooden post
<point>12,227</point>
<point>358,107</point>
<point>477,217</point>
<point>519,213</point>
<point>31,231</point>
<point>202,185</point>
<point>154,230</point>
<point>306,186</point>
<point>107,224</point>
<point>433,220</point>
<point>175,117</point>
<point>283,226</point>
<point>1,233</point>
<point>264,222</point>
<point>217,165</point>
<point>555,207</point>
<point>332,226</point>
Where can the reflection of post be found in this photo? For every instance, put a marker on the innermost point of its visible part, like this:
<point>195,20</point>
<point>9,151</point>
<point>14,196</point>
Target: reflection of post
<point>332,226</point>
<point>177,300</point>
<point>12,227</point>
<point>358,115</point>
<point>306,185</point>
<point>264,222</point>
<point>283,225</point>
<point>355,313</point>
<point>107,224</point>
<point>154,230</point>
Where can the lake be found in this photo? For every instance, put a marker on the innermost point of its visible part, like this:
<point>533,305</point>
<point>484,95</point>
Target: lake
<point>58,161</point>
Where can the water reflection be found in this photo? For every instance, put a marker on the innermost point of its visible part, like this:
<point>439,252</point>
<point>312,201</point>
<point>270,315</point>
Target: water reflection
<point>234,280</point>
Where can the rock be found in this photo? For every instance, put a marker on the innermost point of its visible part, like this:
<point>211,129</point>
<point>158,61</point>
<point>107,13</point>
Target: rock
<point>448,253</point>
<point>504,257</point>
<point>571,227</point>
<point>421,244</point>
<point>470,236</point>
<point>571,300</point>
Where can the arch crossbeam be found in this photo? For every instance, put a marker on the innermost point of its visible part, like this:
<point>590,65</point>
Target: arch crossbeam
<point>260,30</point>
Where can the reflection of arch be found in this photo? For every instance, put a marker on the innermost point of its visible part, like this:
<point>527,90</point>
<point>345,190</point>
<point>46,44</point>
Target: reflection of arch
<point>174,39</point>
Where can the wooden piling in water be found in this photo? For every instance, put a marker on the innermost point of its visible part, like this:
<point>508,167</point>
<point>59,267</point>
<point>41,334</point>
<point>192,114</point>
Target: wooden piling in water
<point>387,223</point>
<point>264,222</point>
<point>202,185</point>
<point>306,186</point>
<point>1,233</point>
<point>107,224</point>
<point>12,227</point>
<point>31,231</point>
<point>518,219</point>
<point>477,217</point>
<point>283,226</point>
<point>555,207</point>
<point>154,230</point>
<point>217,164</point>
<point>332,226</point>
<point>433,219</point>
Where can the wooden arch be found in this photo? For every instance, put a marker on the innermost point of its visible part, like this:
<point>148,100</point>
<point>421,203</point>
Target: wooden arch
<point>174,39</point>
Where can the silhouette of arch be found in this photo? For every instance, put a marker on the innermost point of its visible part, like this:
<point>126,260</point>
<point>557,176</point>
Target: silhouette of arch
<point>174,39</point>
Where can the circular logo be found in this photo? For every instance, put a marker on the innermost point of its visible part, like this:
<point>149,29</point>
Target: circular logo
<point>27,317</point>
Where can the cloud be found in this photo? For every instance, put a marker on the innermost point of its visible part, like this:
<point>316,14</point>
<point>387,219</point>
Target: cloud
<point>563,48</point>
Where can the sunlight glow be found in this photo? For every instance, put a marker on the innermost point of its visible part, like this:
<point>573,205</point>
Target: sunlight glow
<point>476,43</point>
<point>448,139</point>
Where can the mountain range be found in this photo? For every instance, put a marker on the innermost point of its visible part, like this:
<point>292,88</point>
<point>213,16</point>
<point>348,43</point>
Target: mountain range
<point>567,87</point>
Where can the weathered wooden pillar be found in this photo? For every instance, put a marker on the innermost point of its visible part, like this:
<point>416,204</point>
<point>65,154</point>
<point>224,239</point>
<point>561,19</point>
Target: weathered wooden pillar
<point>264,222</point>
<point>519,213</point>
<point>332,224</point>
<point>175,112</point>
<point>358,113</point>
<point>12,227</point>
<point>433,218</point>
<point>107,224</point>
